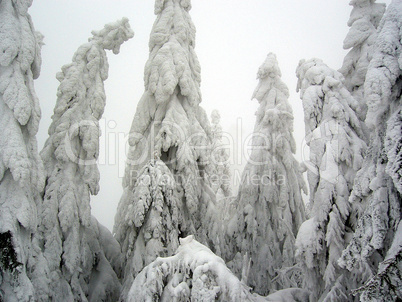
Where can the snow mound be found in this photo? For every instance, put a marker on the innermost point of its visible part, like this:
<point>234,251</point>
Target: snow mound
<point>193,273</point>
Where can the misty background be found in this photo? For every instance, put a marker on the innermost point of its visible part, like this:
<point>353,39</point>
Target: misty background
<point>233,39</point>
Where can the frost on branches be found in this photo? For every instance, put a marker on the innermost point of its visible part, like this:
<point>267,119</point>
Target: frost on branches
<point>269,205</point>
<point>83,257</point>
<point>21,170</point>
<point>363,22</point>
<point>377,189</point>
<point>169,125</point>
<point>336,144</point>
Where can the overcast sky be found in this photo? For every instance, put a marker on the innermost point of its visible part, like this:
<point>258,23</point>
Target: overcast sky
<point>232,41</point>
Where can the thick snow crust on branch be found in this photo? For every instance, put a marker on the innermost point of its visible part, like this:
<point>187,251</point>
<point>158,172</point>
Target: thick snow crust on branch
<point>21,170</point>
<point>336,143</point>
<point>83,258</point>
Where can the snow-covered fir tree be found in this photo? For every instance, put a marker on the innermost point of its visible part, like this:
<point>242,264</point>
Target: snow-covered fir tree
<point>21,170</point>
<point>84,259</point>
<point>168,125</point>
<point>363,22</point>
<point>269,205</point>
<point>220,157</point>
<point>195,273</point>
<point>336,143</point>
<point>378,185</point>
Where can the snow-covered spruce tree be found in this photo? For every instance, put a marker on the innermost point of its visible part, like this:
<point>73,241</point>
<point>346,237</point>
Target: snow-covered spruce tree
<point>269,205</point>
<point>21,169</point>
<point>168,125</point>
<point>222,210</point>
<point>83,257</point>
<point>194,273</point>
<point>335,138</point>
<point>363,22</point>
<point>221,174</point>
<point>378,186</point>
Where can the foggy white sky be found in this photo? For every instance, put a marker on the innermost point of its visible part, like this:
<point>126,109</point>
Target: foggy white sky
<point>233,39</point>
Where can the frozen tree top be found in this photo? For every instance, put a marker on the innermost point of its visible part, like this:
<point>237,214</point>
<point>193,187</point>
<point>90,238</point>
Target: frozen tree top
<point>270,67</point>
<point>159,5</point>
<point>81,95</point>
<point>366,9</point>
<point>173,64</point>
<point>318,85</point>
<point>113,35</point>
<point>215,117</point>
<point>269,75</point>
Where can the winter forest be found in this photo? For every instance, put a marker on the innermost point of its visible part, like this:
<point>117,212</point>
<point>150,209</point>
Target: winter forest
<point>323,227</point>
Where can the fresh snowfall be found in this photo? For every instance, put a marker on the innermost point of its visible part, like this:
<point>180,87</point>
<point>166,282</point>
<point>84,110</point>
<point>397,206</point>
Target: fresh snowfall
<point>326,229</point>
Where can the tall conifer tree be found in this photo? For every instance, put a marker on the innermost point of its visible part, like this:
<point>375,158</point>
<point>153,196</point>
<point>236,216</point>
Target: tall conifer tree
<point>335,138</point>
<point>269,205</point>
<point>83,257</point>
<point>166,186</point>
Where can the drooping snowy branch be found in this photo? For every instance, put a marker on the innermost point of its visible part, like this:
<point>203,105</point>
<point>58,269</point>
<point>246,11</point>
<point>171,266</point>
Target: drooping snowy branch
<point>72,245</point>
<point>21,170</point>
<point>336,144</point>
<point>269,206</point>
